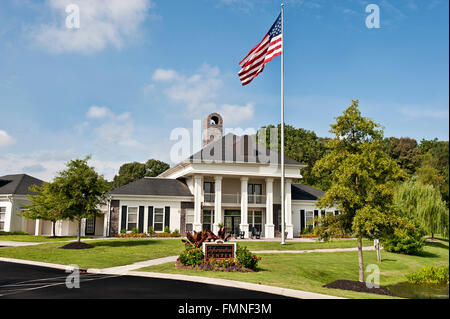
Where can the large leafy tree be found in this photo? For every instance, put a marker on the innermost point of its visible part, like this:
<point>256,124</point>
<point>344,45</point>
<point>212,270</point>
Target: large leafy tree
<point>81,191</point>
<point>46,204</point>
<point>361,177</point>
<point>434,169</point>
<point>301,145</point>
<point>405,151</point>
<point>130,172</point>
<point>423,203</point>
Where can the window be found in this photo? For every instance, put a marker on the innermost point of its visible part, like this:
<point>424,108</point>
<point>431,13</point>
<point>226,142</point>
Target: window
<point>254,193</point>
<point>255,220</point>
<point>158,219</point>
<point>208,217</point>
<point>2,217</point>
<point>309,220</point>
<point>189,220</point>
<point>132,218</point>
<point>208,190</point>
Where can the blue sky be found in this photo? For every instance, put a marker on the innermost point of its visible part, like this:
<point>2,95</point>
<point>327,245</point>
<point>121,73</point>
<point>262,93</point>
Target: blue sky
<point>137,69</point>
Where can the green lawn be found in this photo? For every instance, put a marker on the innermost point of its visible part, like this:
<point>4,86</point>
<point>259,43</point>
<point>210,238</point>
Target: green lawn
<point>106,253</point>
<point>310,272</point>
<point>272,245</point>
<point>35,239</point>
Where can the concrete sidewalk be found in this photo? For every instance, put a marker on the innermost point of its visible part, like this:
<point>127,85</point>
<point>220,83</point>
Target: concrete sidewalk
<point>321,250</point>
<point>125,269</point>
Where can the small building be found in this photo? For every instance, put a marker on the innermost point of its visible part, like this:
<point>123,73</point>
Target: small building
<point>13,197</point>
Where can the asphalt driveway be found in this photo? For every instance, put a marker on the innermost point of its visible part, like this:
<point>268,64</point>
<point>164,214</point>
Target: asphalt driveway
<point>33,282</point>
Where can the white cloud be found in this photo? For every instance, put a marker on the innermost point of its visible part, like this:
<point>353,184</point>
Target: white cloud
<point>98,112</point>
<point>422,112</point>
<point>235,114</point>
<point>199,91</point>
<point>6,139</point>
<point>162,75</point>
<point>46,164</point>
<point>102,23</point>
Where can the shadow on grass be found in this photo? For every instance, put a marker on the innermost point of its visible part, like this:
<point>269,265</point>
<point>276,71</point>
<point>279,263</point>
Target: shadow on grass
<point>128,243</point>
<point>407,290</point>
<point>437,245</point>
<point>427,254</point>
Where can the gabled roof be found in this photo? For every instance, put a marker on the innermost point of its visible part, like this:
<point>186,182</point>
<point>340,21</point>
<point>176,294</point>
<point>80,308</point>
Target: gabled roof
<point>155,187</point>
<point>305,192</point>
<point>239,149</point>
<point>18,184</point>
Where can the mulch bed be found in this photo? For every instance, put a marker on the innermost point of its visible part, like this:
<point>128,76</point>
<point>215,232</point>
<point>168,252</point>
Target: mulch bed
<point>358,286</point>
<point>181,266</point>
<point>77,245</point>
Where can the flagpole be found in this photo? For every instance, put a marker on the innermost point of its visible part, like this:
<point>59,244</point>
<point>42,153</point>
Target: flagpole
<point>283,213</point>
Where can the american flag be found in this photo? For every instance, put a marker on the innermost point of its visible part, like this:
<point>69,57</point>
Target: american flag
<point>266,50</point>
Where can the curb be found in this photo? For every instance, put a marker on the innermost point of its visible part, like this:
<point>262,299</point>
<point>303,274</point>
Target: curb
<point>35,263</point>
<point>286,292</point>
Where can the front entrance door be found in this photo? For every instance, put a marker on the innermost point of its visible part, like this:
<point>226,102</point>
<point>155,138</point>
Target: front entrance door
<point>232,221</point>
<point>90,227</point>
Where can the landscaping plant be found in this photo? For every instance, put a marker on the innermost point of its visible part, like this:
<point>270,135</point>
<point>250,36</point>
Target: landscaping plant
<point>430,275</point>
<point>246,258</point>
<point>191,256</point>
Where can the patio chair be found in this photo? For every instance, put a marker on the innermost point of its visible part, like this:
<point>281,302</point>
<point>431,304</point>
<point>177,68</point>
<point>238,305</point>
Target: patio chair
<point>255,233</point>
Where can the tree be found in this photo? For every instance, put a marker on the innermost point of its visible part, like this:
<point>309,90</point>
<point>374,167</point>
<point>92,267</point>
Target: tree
<point>154,167</point>
<point>45,204</point>
<point>423,203</point>
<point>301,145</point>
<point>434,168</point>
<point>81,191</point>
<point>130,172</point>
<point>405,151</point>
<point>362,178</point>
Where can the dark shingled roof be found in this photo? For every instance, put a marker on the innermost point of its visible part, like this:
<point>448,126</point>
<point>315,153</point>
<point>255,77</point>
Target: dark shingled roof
<point>154,186</point>
<point>239,149</point>
<point>18,184</point>
<point>305,192</point>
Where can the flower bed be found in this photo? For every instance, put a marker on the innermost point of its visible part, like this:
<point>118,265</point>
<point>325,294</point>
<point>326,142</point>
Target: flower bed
<point>193,258</point>
<point>144,235</point>
<point>215,265</point>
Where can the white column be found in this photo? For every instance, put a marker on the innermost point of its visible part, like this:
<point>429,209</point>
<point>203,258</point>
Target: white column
<point>217,203</point>
<point>83,227</point>
<point>37,228</point>
<point>197,203</point>
<point>244,206</point>
<point>269,227</point>
<point>288,207</point>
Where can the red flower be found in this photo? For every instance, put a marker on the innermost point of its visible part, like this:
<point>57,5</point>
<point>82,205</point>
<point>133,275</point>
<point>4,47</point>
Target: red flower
<point>259,258</point>
<point>255,257</point>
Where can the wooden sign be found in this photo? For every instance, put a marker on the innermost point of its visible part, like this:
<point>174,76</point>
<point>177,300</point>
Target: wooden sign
<point>219,250</point>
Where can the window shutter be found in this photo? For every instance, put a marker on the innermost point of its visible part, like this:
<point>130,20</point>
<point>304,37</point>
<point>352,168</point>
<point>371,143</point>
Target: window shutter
<point>141,219</point>
<point>124,218</point>
<point>167,216</point>
<point>150,217</point>
<point>302,219</point>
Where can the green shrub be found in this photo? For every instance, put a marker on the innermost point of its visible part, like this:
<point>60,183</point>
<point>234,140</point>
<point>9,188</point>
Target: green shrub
<point>246,258</point>
<point>430,275</point>
<point>151,230</point>
<point>12,233</point>
<point>135,230</point>
<point>176,232</point>
<point>191,256</point>
<point>405,240</point>
<point>123,231</point>
<point>167,229</point>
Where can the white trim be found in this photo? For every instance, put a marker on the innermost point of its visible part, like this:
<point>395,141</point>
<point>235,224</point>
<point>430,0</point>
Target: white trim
<point>164,218</point>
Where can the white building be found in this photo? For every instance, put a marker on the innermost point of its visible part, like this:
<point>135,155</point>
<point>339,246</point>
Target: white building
<point>231,181</point>
<point>14,190</point>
